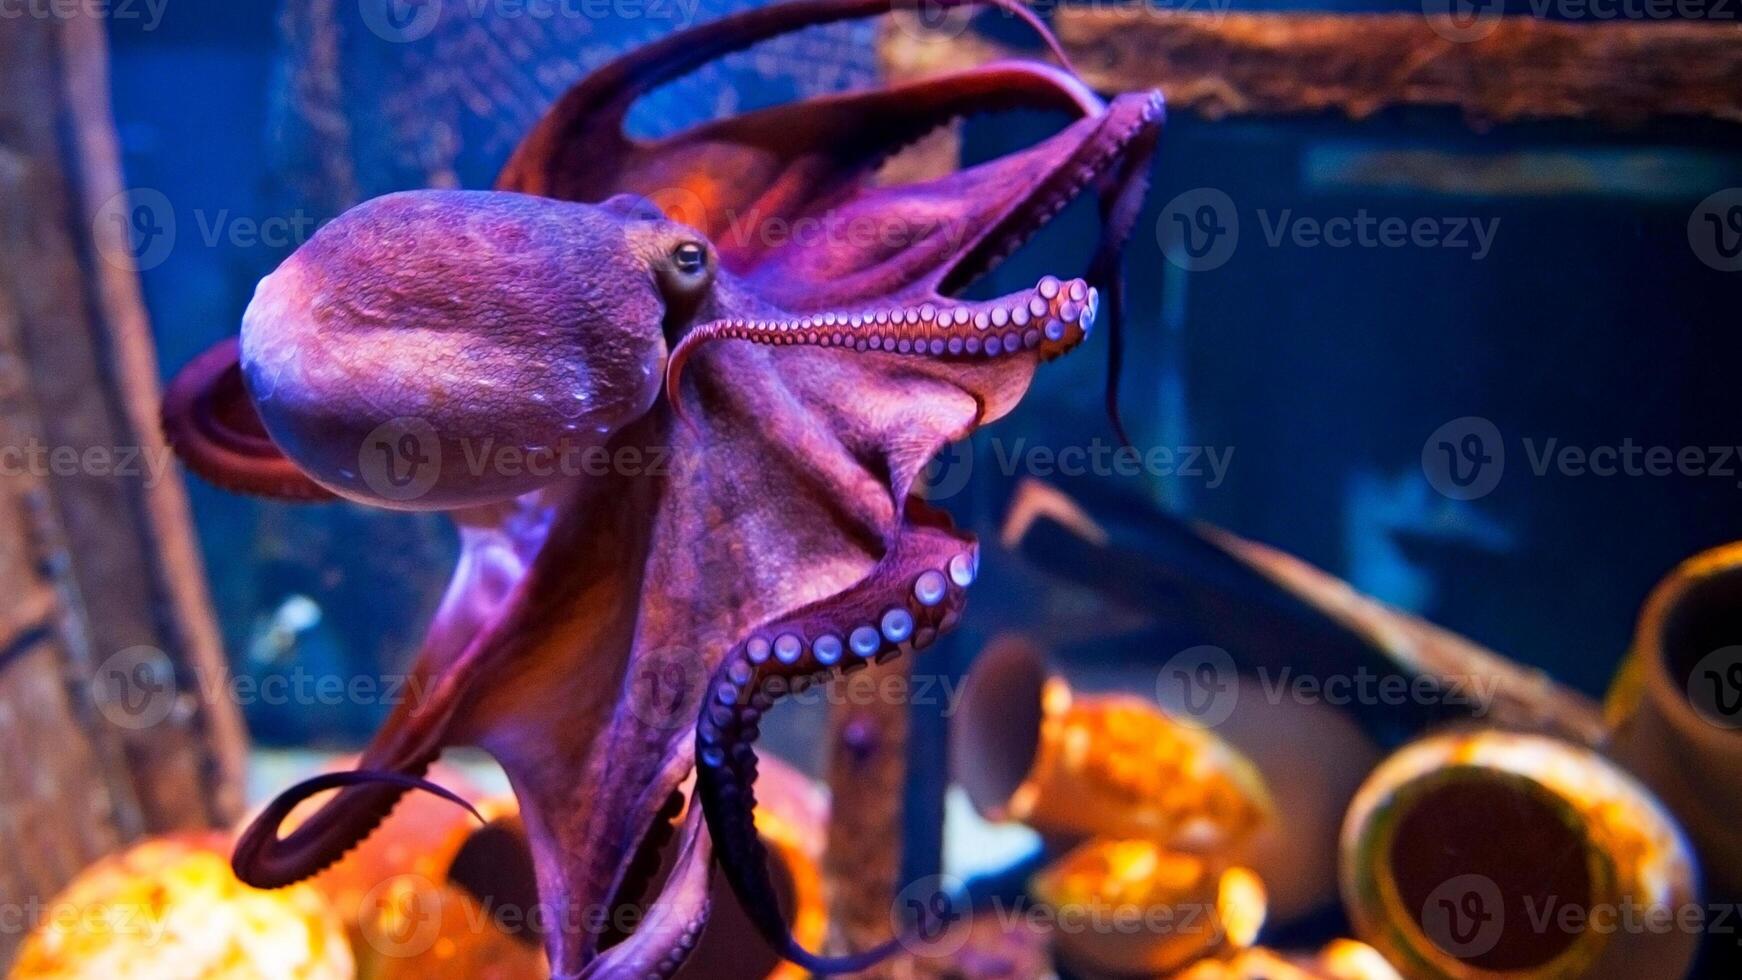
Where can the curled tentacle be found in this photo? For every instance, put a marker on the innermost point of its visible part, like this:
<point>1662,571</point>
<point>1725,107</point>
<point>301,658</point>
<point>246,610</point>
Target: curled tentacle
<point>644,866</point>
<point>591,114</point>
<point>1090,154</point>
<point>915,593</point>
<point>1049,320</point>
<point>1120,206</point>
<point>265,860</point>
<point>659,947</point>
<point>212,426</point>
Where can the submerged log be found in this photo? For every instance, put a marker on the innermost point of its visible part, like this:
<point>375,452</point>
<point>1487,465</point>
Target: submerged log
<point>109,658</point>
<point>1217,63</point>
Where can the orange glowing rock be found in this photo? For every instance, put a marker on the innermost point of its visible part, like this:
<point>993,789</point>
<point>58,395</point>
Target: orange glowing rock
<point>1342,959</point>
<point>170,907</point>
<point>420,930</point>
<point>1131,907</point>
<point>1030,749</point>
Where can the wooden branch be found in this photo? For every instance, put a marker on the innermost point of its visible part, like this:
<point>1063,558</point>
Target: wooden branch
<point>1521,697</point>
<point>66,798</point>
<point>202,750</point>
<point>867,773</point>
<point>97,560</point>
<point>1509,68</point>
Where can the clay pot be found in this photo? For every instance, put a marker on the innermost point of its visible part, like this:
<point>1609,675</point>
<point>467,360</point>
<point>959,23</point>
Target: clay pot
<point>792,817</point>
<point>1026,748</point>
<point>465,907</point>
<point>1341,959</point>
<point>1676,707</point>
<point>1130,908</point>
<point>170,907</point>
<point>1493,854</point>
<point>433,894</point>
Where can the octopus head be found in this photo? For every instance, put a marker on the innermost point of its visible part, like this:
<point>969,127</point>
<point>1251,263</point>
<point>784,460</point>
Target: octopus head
<point>443,349</point>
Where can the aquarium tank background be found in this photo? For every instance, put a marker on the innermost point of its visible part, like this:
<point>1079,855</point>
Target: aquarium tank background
<point>1306,387</point>
<point>1480,371</point>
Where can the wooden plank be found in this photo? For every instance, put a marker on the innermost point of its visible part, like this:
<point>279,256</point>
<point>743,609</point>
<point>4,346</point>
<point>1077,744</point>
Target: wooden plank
<point>128,571</point>
<point>96,555</point>
<point>56,812</point>
<point>66,797</point>
<point>867,772</point>
<point>1498,69</point>
<point>872,739</point>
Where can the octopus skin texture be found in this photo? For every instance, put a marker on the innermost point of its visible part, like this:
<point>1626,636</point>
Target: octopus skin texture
<point>764,409</point>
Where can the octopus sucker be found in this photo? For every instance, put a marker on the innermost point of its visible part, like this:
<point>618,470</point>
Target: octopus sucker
<point>915,593</point>
<point>1050,320</point>
<point>384,354</point>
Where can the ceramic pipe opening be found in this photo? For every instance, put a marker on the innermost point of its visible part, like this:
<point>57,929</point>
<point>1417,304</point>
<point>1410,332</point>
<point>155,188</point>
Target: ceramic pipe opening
<point>998,728</point>
<point>1701,629</point>
<point>495,867</point>
<point>1475,853</point>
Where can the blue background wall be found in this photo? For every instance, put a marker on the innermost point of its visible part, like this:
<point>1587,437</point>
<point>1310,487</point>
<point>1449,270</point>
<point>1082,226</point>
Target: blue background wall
<point>1325,371</point>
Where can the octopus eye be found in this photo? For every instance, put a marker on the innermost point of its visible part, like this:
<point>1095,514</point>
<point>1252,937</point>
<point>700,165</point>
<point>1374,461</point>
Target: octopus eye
<point>689,259</point>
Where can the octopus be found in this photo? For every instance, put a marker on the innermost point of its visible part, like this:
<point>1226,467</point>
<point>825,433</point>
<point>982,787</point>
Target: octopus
<point>681,451</point>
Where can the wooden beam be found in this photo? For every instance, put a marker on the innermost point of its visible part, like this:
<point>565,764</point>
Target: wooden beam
<point>1503,69</point>
<point>97,560</point>
<point>867,770</point>
<point>133,541</point>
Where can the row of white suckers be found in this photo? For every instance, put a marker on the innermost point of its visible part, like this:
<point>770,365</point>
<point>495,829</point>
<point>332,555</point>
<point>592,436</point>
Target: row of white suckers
<point>896,624</point>
<point>1076,302</point>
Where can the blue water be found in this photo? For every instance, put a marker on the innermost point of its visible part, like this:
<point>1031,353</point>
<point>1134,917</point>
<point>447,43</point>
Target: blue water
<point>1586,319</point>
